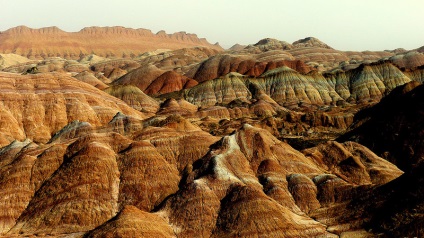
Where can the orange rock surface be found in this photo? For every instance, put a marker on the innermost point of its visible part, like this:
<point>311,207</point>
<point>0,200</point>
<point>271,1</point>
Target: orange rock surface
<point>37,106</point>
<point>102,41</point>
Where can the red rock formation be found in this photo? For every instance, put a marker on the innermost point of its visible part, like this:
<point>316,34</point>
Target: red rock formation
<point>102,41</point>
<point>408,60</point>
<point>177,147</point>
<point>154,81</point>
<point>141,77</point>
<point>220,65</point>
<point>193,210</point>
<point>169,82</point>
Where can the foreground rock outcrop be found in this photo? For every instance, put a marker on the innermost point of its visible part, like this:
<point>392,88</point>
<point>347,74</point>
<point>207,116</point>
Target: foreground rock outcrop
<point>98,181</point>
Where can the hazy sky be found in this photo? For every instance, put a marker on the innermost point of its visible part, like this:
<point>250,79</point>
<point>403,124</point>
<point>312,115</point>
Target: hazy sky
<point>342,24</point>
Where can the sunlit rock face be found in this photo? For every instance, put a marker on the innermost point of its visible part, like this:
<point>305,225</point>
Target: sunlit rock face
<point>134,97</point>
<point>102,41</point>
<point>37,106</point>
<point>85,176</point>
<point>132,222</point>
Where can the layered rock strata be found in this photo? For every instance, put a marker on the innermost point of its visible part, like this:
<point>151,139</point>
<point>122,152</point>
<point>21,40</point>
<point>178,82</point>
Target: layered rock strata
<point>102,41</point>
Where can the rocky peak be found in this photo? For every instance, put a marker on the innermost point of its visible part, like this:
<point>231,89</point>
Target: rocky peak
<point>273,44</point>
<point>310,42</point>
<point>237,47</point>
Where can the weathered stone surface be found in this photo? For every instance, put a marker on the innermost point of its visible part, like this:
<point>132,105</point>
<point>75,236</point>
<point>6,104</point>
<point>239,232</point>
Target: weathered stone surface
<point>416,74</point>
<point>36,106</point>
<point>391,128</point>
<point>193,210</point>
<point>138,173</point>
<point>131,222</point>
<point>170,167</point>
<point>178,148</point>
<point>287,86</point>
<point>304,192</point>
<point>70,201</point>
<point>269,218</point>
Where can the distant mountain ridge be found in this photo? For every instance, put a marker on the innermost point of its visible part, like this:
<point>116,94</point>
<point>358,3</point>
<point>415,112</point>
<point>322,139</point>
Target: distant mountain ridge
<point>114,41</point>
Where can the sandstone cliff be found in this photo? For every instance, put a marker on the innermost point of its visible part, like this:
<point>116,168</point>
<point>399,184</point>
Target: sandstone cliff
<point>102,41</point>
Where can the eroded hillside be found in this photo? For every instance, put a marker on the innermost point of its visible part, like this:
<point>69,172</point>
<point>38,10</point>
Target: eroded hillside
<point>267,140</point>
